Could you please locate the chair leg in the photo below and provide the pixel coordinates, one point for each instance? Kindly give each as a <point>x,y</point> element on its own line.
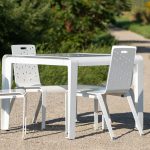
<point>132,107</point>
<point>66,114</point>
<point>26,114</point>
<point>43,108</point>
<point>12,103</point>
<point>24,117</point>
<point>76,110</point>
<point>105,114</point>
<point>95,114</point>
<point>104,126</point>
<point>38,109</point>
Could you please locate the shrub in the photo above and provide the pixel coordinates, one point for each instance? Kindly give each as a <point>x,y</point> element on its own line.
<point>55,25</point>
<point>86,75</point>
<point>142,12</point>
<point>59,26</point>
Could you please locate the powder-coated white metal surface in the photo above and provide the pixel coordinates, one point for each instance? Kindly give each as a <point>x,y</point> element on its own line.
<point>72,63</point>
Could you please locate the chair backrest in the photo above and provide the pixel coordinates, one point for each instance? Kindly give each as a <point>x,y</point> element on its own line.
<point>121,69</point>
<point>26,75</point>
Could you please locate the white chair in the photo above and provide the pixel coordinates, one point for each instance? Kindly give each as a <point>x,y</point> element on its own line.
<point>27,77</point>
<point>13,94</point>
<point>118,83</point>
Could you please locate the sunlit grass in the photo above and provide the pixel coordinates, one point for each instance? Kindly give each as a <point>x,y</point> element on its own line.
<point>126,21</point>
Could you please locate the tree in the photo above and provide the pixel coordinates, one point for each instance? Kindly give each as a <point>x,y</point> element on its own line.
<point>56,25</point>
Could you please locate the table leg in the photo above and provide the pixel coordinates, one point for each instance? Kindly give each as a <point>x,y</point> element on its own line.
<point>138,89</point>
<point>72,86</point>
<point>6,84</point>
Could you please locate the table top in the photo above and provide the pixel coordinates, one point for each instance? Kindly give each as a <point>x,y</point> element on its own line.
<point>63,55</point>
<point>68,55</point>
<point>63,59</point>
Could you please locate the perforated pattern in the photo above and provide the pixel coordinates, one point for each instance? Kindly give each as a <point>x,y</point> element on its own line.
<point>121,69</point>
<point>26,75</point>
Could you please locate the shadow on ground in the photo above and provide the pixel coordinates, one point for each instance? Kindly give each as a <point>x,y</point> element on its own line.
<point>119,121</point>
<point>143,49</point>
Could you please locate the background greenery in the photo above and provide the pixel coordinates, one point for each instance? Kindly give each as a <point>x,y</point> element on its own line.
<point>129,22</point>
<point>60,26</point>
<point>137,19</point>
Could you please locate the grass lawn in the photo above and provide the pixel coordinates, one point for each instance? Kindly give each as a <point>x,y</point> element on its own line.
<point>56,75</point>
<point>126,21</point>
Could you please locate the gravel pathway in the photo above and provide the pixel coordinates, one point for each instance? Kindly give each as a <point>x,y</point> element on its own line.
<point>129,38</point>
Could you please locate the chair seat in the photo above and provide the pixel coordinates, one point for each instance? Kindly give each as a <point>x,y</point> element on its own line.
<point>54,89</point>
<point>49,89</point>
<point>86,90</point>
<point>12,92</point>
<point>90,91</point>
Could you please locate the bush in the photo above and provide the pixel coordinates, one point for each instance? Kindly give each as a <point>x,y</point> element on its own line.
<point>22,21</point>
<point>86,75</point>
<point>59,26</point>
<point>55,25</point>
<point>142,16</point>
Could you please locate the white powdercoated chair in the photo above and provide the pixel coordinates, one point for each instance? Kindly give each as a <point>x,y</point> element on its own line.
<point>27,77</point>
<point>118,83</point>
<point>13,94</point>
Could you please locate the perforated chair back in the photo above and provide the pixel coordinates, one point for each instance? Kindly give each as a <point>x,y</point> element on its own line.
<point>121,69</point>
<point>26,75</point>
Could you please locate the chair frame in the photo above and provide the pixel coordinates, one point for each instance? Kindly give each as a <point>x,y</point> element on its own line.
<point>31,82</point>
<point>126,55</point>
<point>10,94</point>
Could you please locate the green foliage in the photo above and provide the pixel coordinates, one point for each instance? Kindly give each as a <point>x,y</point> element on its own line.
<point>126,21</point>
<point>141,29</point>
<point>141,11</point>
<point>55,25</point>
<point>87,75</point>
<point>53,75</point>
<point>142,16</point>
<point>60,26</point>
<point>76,24</point>
<point>96,76</point>
<point>22,22</point>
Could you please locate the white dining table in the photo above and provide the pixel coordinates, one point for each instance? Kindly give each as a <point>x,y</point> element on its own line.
<point>72,61</point>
